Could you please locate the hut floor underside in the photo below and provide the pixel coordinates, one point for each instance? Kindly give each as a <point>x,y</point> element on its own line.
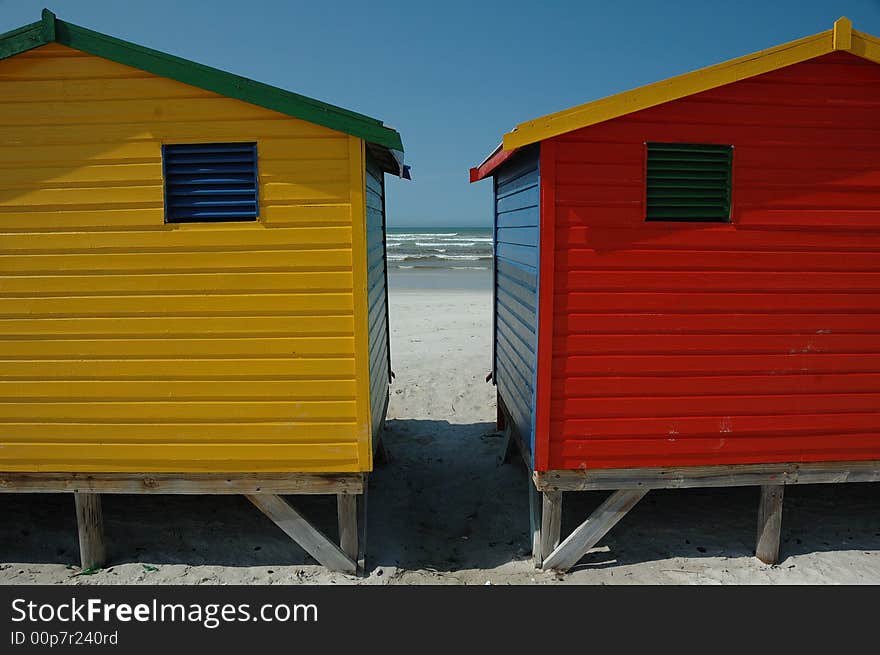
<point>263,490</point>
<point>629,486</point>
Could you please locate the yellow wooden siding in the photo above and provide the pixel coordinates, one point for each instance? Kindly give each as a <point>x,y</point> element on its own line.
<point>130,345</point>
<point>357,164</point>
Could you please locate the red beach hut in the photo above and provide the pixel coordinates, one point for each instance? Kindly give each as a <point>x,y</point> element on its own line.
<point>687,280</point>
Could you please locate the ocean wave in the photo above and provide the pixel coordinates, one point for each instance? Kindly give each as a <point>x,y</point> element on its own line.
<point>428,258</point>
<point>435,249</point>
<point>419,235</point>
<point>449,267</point>
<point>422,244</point>
<point>459,240</point>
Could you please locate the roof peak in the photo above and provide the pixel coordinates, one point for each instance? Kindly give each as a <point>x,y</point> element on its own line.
<point>51,29</point>
<point>841,37</point>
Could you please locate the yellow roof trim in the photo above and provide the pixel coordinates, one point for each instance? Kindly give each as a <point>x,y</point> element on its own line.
<point>841,37</point>
<point>865,46</point>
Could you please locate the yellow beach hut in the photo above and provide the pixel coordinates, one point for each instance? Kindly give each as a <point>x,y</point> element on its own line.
<point>193,294</point>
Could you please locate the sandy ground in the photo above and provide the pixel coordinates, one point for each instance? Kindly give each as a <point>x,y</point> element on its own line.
<point>443,511</point>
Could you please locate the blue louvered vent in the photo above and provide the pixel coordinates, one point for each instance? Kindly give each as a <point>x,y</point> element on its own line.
<point>210,182</point>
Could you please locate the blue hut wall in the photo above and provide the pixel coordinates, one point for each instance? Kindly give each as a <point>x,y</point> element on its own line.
<point>377,294</point>
<point>517,217</point>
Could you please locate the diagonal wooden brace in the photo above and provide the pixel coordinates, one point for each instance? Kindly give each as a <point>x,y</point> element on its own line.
<point>588,533</point>
<point>312,540</point>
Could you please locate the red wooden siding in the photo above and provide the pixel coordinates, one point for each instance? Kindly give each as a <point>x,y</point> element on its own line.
<point>678,344</point>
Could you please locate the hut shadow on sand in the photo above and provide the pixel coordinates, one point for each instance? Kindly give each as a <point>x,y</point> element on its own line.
<point>720,523</point>
<point>442,503</point>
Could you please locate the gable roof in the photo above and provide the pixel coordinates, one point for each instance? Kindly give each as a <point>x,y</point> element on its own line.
<point>842,37</point>
<point>51,29</point>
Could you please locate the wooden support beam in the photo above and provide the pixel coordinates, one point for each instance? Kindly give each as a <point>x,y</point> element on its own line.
<point>362,540</point>
<point>593,529</point>
<point>312,540</point>
<point>381,456</point>
<point>733,475</point>
<point>514,437</point>
<point>508,447</point>
<point>90,524</point>
<point>551,522</point>
<point>346,508</point>
<point>500,416</point>
<point>769,523</point>
<point>184,483</point>
<point>535,524</point>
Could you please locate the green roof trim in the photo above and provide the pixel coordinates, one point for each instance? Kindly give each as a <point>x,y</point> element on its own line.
<point>21,40</point>
<point>52,29</point>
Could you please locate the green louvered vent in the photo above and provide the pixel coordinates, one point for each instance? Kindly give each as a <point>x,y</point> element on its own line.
<point>689,182</point>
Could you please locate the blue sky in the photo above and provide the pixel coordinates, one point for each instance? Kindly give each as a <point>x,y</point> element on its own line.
<point>453,76</point>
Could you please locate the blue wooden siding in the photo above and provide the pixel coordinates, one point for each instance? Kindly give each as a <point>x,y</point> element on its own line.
<point>517,214</point>
<point>377,294</point>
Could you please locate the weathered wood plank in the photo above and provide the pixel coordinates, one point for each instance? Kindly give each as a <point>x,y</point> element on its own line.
<point>312,540</point>
<point>184,483</point>
<point>346,508</point>
<point>500,416</point>
<point>738,475</point>
<point>769,523</point>
<point>588,533</point>
<point>513,434</point>
<point>362,525</point>
<point>855,472</point>
<point>508,446</point>
<point>535,524</point>
<point>551,522</point>
<point>90,524</point>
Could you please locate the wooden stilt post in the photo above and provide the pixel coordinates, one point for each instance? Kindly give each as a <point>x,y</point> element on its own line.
<point>593,529</point>
<point>551,522</point>
<point>769,523</point>
<point>508,447</point>
<point>362,526</point>
<point>90,523</point>
<point>500,418</point>
<point>346,507</point>
<point>535,524</point>
<point>381,456</point>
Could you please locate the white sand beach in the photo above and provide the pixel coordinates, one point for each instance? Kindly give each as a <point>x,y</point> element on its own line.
<point>443,511</point>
